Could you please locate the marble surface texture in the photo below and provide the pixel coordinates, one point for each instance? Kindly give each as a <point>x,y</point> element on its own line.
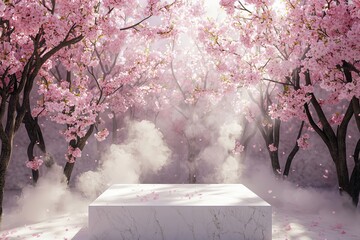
<point>179,211</point>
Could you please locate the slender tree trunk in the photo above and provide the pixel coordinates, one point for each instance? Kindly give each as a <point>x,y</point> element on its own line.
<point>193,153</point>
<point>35,175</point>
<point>2,183</point>
<point>191,162</point>
<point>274,156</point>
<point>271,135</point>
<point>68,170</point>
<point>36,139</point>
<point>79,143</point>
<point>293,152</point>
<point>341,172</point>
<point>32,129</point>
<point>340,152</point>
<point>339,157</point>
<point>355,175</point>
<point>192,172</point>
<point>5,156</point>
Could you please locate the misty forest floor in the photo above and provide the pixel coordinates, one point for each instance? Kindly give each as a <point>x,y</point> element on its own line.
<point>289,222</point>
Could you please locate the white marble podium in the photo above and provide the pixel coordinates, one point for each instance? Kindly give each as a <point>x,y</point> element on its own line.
<point>179,211</point>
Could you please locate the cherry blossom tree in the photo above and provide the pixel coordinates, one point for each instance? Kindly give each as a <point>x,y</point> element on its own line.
<point>190,90</point>
<point>195,89</point>
<point>243,65</point>
<point>105,73</point>
<point>308,53</point>
<point>190,79</point>
<point>31,33</point>
<point>35,37</point>
<point>36,139</point>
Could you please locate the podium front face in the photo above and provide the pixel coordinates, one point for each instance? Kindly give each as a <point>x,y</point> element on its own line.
<point>179,211</point>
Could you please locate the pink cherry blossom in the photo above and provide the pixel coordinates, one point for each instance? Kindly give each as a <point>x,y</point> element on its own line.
<point>303,141</point>
<point>272,148</point>
<point>35,163</point>
<point>238,148</point>
<point>101,135</point>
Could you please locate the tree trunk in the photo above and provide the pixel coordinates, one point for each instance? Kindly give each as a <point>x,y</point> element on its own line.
<point>340,152</point>
<point>271,135</point>
<point>342,173</point>
<point>274,156</point>
<point>193,154</point>
<point>2,183</point>
<point>192,172</point>
<point>35,176</point>
<point>6,149</point>
<point>339,158</point>
<point>68,170</point>
<point>192,166</point>
<point>79,143</point>
<point>335,142</point>
<point>355,176</point>
<point>293,152</point>
<point>36,139</point>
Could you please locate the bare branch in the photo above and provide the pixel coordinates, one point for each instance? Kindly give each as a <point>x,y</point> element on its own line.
<point>243,7</point>
<point>52,9</point>
<point>100,61</point>
<point>136,24</point>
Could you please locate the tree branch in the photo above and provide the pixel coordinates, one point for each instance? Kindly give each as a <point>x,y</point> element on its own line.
<point>293,152</point>
<point>327,129</point>
<point>320,132</point>
<point>356,107</point>
<point>136,24</point>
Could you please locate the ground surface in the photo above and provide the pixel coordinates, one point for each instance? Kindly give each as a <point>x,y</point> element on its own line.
<point>289,222</point>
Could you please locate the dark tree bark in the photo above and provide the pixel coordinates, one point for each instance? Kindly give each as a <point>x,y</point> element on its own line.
<point>193,153</point>
<point>79,143</point>
<point>355,176</point>
<point>293,152</point>
<point>36,139</point>
<point>269,128</point>
<point>271,135</point>
<point>5,155</point>
<point>336,143</point>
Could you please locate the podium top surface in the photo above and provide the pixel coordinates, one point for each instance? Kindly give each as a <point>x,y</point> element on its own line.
<point>186,195</point>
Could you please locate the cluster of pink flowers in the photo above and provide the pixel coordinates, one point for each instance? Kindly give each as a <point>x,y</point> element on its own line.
<point>72,154</point>
<point>272,147</point>
<point>238,148</point>
<point>228,5</point>
<point>101,135</point>
<point>35,163</point>
<point>303,141</point>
